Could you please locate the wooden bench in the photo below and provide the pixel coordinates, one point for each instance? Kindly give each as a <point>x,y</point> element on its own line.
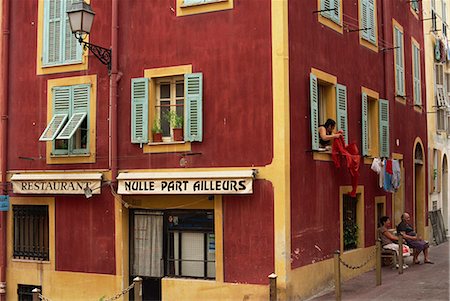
<point>391,255</point>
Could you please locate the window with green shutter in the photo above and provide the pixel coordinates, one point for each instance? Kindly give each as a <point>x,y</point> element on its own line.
<point>174,103</point>
<point>59,46</point>
<point>369,123</point>
<point>365,125</point>
<point>368,20</point>
<point>331,9</point>
<point>69,126</point>
<point>415,5</point>
<point>341,101</point>
<point>399,62</point>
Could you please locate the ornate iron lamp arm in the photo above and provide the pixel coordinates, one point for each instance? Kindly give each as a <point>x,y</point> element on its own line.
<point>103,54</point>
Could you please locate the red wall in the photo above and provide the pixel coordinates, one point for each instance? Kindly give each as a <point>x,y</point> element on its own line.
<point>249,235</point>
<point>233,50</point>
<point>85,234</point>
<point>315,192</point>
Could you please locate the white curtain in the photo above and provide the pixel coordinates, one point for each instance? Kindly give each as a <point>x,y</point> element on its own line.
<point>148,245</point>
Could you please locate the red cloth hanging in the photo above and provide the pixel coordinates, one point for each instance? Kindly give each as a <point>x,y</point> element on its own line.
<point>352,157</point>
<point>389,166</point>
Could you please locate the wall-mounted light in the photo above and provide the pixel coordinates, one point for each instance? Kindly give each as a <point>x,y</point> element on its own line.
<point>81,17</point>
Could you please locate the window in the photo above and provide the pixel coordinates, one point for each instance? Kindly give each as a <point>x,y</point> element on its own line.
<point>351,218</point>
<point>190,7</point>
<point>417,91</point>
<point>415,5</point>
<point>368,20</point>
<point>328,100</point>
<point>331,9</point>
<point>24,292</point>
<point>69,126</point>
<point>31,232</point>
<point>441,97</point>
<point>191,244</point>
<point>444,18</point>
<point>433,16</point>
<point>60,46</point>
<point>175,102</point>
<point>399,61</point>
<point>374,124</point>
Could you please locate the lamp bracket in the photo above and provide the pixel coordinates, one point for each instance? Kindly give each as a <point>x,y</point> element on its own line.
<point>103,54</point>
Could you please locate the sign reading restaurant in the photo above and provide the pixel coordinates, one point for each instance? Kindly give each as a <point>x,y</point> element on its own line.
<point>56,183</point>
<point>219,182</point>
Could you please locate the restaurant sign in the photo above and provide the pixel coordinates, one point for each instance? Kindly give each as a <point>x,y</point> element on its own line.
<point>223,182</point>
<point>56,183</point>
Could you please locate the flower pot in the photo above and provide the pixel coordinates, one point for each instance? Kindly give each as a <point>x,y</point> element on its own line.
<point>157,137</point>
<point>178,134</point>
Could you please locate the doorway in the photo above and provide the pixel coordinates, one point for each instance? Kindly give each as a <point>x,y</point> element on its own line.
<point>445,195</point>
<point>170,243</point>
<point>419,190</point>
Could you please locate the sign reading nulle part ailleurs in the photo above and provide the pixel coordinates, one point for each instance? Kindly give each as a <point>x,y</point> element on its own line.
<point>56,183</point>
<point>189,182</point>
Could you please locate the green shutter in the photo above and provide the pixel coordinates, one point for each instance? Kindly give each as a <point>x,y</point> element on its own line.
<point>372,21</point>
<point>79,110</point>
<point>365,125</point>
<point>139,110</point>
<point>364,19</point>
<point>336,13</point>
<point>399,68</point>
<point>314,100</point>
<point>341,98</point>
<point>325,5</point>
<point>61,110</point>
<point>384,127</point>
<point>416,75</point>
<point>193,110</point>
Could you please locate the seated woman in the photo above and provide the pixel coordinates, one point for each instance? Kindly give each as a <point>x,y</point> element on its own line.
<point>326,134</point>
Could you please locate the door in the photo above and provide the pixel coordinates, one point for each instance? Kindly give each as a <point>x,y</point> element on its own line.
<point>146,252</point>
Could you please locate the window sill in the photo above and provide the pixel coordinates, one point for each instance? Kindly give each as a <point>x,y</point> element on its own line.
<point>70,155</point>
<point>322,155</point>
<point>167,147</point>
<point>199,4</point>
<point>193,9</point>
<point>30,261</point>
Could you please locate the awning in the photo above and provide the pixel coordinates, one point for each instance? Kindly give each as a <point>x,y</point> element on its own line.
<point>56,183</point>
<point>187,182</point>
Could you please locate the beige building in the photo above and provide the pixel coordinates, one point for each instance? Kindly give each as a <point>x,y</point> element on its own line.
<point>437,68</point>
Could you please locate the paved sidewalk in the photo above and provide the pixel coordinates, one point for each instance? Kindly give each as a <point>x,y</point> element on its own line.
<point>418,282</point>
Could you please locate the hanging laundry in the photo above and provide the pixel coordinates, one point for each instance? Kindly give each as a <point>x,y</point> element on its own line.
<point>396,175</point>
<point>387,183</point>
<point>389,166</point>
<point>377,166</point>
<point>352,157</point>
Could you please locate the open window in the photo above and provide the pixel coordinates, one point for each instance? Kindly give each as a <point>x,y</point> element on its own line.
<point>328,99</point>
<point>167,104</point>
<point>68,129</point>
<point>374,124</point>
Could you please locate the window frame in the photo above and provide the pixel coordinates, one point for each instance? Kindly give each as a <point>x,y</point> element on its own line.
<point>414,8</point>
<point>333,23</point>
<point>364,38</point>
<point>41,221</point>
<point>85,156</point>
<point>41,67</point>
<point>400,92</point>
<point>183,9</point>
<point>373,124</point>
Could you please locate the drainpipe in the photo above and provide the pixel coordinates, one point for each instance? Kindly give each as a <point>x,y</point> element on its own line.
<point>114,79</point>
<point>3,138</point>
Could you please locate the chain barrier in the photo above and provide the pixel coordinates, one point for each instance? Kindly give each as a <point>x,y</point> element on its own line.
<point>351,267</point>
<point>123,292</point>
<point>41,297</point>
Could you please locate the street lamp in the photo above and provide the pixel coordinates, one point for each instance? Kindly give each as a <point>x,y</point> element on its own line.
<point>81,17</point>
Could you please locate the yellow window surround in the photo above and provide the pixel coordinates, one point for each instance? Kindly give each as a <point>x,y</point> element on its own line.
<point>70,81</point>
<point>185,10</point>
<point>329,23</point>
<point>363,42</point>
<point>40,68</point>
<point>328,81</point>
<point>159,73</point>
<point>416,44</point>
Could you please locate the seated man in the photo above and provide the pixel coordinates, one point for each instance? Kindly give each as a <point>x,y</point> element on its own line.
<point>413,240</point>
<point>326,134</point>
